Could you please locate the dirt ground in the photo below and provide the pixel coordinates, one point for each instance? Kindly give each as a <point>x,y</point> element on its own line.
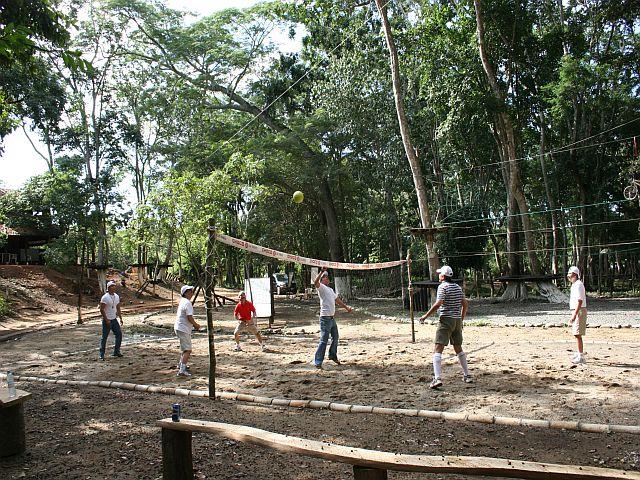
<point>76,432</point>
<point>41,297</point>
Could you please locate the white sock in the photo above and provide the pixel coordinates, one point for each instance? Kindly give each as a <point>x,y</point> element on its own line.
<point>437,365</point>
<point>462,358</point>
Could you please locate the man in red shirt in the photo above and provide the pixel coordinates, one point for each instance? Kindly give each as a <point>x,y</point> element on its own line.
<point>245,313</point>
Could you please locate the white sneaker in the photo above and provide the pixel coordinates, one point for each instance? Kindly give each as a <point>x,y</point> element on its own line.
<point>237,348</point>
<point>577,359</point>
<point>183,373</point>
<point>263,347</point>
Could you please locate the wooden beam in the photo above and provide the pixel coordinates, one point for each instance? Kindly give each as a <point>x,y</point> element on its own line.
<point>496,467</point>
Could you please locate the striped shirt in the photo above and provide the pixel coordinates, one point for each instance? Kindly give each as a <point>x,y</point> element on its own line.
<point>452,296</point>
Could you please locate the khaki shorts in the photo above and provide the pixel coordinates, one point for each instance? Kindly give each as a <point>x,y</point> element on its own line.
<point>449,331</point>
<point>579,326</point>
<point>185,340</point>
<point>248,326</point>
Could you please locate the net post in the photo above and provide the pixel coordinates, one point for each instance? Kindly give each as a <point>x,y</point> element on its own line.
<point>410,288</point>
<point>208,295</point>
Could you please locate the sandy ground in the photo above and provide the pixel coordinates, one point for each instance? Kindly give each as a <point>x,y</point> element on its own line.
<point>519,372</point>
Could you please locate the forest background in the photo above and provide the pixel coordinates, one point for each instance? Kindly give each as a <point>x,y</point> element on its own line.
<point>522,114</point>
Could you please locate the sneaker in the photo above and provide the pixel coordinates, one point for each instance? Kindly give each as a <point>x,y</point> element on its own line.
<point>335,360</point>
<point>435,383</point>
<point>101,358</point>
<point>183,373</point>
<point>577,359</point>
<point>467,379</point>
<point>237,348</point>
<point>263,347</point>
<point>318,366</point>
<point>118,354</point>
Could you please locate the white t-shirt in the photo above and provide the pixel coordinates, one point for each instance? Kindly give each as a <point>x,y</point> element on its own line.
<point>111,302</point>
<point>327,300</point>
<point>185,308</point>
<point>577,293</point>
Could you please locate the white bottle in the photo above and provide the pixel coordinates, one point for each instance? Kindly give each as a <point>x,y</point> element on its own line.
<point>11,385</point>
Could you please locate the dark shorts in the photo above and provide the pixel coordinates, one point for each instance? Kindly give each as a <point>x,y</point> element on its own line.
<point>449,331</point>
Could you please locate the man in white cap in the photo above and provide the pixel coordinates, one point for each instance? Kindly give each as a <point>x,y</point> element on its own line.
<point>578,306</point>
<point>110,309</point>
<point>452,308</point>
<point>183,327</point>
<point>328,326</point>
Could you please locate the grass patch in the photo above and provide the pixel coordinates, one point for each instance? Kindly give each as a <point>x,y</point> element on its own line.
<point>4,306</point>
<point>141,328</point>
<point>478,323</point>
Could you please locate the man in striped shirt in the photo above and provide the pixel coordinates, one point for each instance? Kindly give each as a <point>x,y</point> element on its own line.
<point>452,308</point>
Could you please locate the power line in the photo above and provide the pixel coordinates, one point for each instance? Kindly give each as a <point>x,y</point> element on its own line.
<point>484,254</point>
<point>548,229</point>
<point>560,150</point>
<point>537,212</point>
<point>564,148</point>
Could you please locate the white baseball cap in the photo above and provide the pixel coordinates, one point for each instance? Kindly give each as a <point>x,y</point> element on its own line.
<point>575,270</point>
<point>445,270</point>
<point>111,283</point>
<point>185,288</point>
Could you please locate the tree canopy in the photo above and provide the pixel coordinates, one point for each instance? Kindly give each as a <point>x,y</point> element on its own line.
<point>522,116</point>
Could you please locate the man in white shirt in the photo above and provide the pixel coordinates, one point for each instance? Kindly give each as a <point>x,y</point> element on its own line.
<point>578,306</point>
<point>110,309</point>
<point>183,327</point>
<point>328,326</point>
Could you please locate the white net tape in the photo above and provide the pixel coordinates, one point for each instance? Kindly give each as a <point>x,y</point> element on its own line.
<point>288,257</point>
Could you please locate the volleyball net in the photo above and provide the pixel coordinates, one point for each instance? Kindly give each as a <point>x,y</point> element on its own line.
<point>378,288</point>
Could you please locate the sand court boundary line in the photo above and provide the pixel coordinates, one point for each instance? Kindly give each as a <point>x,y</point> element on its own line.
<point>482,418</point>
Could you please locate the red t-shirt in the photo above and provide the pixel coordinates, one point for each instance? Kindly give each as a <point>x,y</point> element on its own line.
<point>244,311</point>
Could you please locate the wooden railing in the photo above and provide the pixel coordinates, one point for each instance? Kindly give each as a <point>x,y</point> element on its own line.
<point>367,464</point>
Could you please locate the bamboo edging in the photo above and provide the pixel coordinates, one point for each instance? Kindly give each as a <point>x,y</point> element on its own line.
<point>349,408</point>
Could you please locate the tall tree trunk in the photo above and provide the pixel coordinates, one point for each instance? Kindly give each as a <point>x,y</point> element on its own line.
<point>416,169</point>
<point>395,248</point>
<point>336,251</point>
<point>550,200</point>
<point>506,136</point>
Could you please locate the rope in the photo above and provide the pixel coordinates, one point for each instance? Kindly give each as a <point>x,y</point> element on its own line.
<point>485,418</point>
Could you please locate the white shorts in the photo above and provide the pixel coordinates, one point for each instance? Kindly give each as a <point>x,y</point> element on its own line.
<point>579,325</point>
<point>249,326</point>
<point>185,340</point>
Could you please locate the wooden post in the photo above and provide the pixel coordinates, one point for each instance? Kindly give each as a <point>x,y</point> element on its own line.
<point>366,473</point>
<point>413,326</point>
<point>177,462</point>
<point>208,296</point>
<point>12,439</point>
<point>271,294</point>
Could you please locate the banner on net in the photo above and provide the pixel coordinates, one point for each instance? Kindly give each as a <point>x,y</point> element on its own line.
<point>288,257</point>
